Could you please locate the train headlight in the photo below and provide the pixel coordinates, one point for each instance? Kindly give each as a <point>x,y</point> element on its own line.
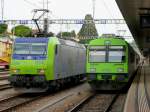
<point>15,70</point>
<point>120,70</point>
<point>41,71</point>
<point>92,69</point>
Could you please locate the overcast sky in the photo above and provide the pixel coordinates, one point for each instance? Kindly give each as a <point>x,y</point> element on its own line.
<point>21,9</point>
<point>104,9</point>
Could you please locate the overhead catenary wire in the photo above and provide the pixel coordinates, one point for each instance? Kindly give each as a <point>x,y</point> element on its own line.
<point>32,4</point>
<point>43,7</point>
<point>107,8</point>
<point>47,2</point>
<point>47,5</point>
<point>111,14</point>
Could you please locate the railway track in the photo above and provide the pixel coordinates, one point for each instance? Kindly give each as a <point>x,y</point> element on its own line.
<point>108,109</point>
<point>50,104</point>
<point>4,77</point>
<point>89,103</point>
<point>71,101</point>
<point>81,103</point>
<point>96,103</point>
<point>61,100</point>
<point>10,103</point>
<point>4,74</point>
<point>4,71</point>
<point>19,101</point>
<point>5,86</point>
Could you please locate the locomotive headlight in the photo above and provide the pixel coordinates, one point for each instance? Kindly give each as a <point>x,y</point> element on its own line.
<point>120,70</point>
<point>92,69</point>
<point>41,71</point>
<point>15,71</point>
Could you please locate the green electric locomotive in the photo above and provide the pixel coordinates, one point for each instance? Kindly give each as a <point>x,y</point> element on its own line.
<point>111,62</point>
<point>40,64</point>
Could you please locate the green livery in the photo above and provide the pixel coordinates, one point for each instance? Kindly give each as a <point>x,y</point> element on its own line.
<point>108,63</point>
<point>39,64</point>
<point>32,67</point>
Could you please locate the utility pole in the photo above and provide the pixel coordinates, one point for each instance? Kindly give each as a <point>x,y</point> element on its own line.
<point>43,4</point>
<point>47,7</point>
<point>2,9</point>
<point>93,8</point>
<point>43,7</point>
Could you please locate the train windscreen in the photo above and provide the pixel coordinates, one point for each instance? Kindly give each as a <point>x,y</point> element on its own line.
<point>116,54</point>
<point>30,48</point>
<point>106,54</point>
<point>97,54</point>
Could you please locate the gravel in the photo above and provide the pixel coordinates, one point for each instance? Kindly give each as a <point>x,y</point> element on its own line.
<point>97,104</point>
<point>119,104</point>
<point>36,105</point>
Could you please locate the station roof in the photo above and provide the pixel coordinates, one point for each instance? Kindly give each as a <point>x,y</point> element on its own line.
<point>131,10</point>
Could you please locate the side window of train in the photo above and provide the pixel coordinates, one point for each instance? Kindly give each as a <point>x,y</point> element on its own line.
<point>56,49</point>
<point>123,58</point>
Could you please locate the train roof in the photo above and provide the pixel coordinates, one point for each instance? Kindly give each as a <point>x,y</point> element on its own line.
<point>108,41</point>
<point>71,43</point>
<point>31,39</point>
<point>54,40</point>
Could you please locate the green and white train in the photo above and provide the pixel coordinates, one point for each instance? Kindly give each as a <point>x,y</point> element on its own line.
<point>111,62</point>
<point>40,64</point>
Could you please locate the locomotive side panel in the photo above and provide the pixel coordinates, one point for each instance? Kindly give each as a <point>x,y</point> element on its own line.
<point>69,61</point>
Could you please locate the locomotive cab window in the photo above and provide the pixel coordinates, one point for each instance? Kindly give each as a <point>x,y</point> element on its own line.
<point>21,48</point>
<point>116,54</point>
<point>30,48</point>
<point>97,54</point>
<point>39,48</point>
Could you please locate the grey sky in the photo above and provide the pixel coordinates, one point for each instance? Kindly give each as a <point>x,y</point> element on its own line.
<point>22,9</point>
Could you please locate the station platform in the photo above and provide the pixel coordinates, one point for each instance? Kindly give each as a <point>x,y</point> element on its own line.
<point>138,97</point>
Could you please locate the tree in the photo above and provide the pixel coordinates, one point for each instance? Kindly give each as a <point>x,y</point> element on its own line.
<point>22,31</point>
<point>71,34</point>
<point>3,28</point>
<point>50,34</point>
<point>88,30</point>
